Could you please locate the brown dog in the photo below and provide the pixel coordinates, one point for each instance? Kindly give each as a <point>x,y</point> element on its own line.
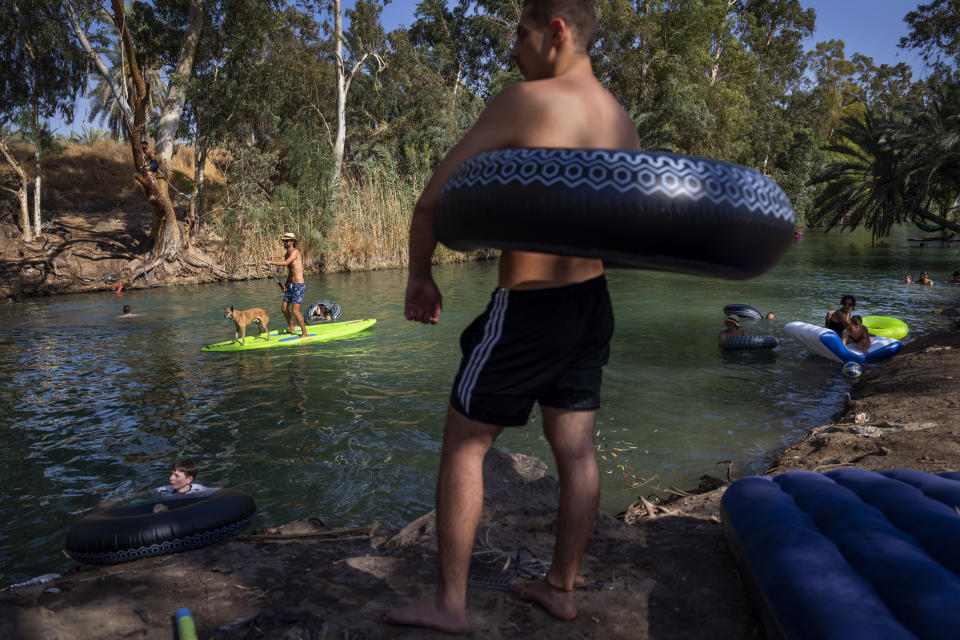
<point>242,318</point>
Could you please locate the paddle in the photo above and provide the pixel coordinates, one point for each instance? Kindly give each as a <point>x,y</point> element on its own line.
<point>277,280</point>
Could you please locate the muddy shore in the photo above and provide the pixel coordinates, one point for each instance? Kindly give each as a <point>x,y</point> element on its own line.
<point>655,571</point>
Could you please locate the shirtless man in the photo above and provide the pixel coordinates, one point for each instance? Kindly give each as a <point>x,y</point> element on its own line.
<point>856,333</point>
<point>295,286</point>
<point>923,279</point>
<point>559,104</point>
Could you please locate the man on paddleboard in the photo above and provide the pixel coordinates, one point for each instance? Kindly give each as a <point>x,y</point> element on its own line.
<point>295,285</point>
<point>517,353</point>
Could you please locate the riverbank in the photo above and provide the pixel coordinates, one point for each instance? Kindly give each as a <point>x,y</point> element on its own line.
<point>655,571</point>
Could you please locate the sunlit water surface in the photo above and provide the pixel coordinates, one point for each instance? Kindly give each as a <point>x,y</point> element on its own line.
<point>93,408</point>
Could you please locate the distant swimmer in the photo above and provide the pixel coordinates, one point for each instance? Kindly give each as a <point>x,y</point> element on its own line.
<point>770,316</point>
<point>840,319</point>
<point>923,279</point>
<point>128,312</point>
<point>908,279</point>
<point>733,329</point>
<point>856,332</point>
<point>956,278</point>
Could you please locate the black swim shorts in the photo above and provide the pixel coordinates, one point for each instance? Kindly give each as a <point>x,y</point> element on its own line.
<point>545,345</point>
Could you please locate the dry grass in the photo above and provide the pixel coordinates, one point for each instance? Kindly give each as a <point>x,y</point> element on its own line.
<point>100,177</point>
<point>370,225</point>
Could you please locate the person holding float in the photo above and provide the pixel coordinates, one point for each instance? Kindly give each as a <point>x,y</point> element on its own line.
<point>560,104</point>
<point>551,173</point>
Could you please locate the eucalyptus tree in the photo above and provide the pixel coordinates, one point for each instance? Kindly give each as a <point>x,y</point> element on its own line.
<point>230,82</point>
<point>43,72</point>
<point>167,243</point>
<point>935,33</point>
<point>105,105</point>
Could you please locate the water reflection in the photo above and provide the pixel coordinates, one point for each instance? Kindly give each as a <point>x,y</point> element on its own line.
<point>93,408</point>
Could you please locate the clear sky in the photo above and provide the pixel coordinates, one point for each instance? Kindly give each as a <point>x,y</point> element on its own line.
<point>870,27</point>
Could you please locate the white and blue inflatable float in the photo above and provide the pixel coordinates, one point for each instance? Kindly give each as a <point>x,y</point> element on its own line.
<point>827,343</point>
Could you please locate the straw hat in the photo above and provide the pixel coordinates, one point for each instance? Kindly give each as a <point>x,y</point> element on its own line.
<point>734,319</point>
<point>288,236</point>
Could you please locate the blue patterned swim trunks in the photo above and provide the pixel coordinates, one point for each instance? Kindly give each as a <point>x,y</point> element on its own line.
<point>294,292</point>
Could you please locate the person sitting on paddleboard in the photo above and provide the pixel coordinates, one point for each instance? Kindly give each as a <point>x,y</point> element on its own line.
<point>181,478</point>
<point>839,320</point>
<point>733,329</point>
<point>320,314</point>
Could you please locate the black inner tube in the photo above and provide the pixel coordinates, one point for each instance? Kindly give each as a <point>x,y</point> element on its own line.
<point>630,208</point>
<point>332,308</point>
<point>134,530</point>
<point>742,310</point>
<point>742,343</point>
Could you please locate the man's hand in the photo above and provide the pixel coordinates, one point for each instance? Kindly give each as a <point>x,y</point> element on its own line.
<point>423,301</point>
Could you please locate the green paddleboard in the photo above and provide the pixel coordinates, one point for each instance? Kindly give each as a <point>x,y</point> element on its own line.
<point>315,333</point>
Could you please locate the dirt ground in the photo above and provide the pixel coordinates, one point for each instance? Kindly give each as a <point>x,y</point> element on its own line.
<point>658,571</point>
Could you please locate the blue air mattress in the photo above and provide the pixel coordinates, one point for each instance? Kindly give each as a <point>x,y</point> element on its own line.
<point>849,554</point>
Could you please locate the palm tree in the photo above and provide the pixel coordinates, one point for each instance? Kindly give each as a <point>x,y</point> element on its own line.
<point>890,171</point>
<point>934,154</point>
<point>868,183</point>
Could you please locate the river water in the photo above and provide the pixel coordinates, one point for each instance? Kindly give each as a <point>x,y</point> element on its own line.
<point>93,408</point>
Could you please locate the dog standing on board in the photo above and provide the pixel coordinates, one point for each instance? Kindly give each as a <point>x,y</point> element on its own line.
<point>242,318</point>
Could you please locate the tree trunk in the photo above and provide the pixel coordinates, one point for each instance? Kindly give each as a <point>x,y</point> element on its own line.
<point>199,173</point>
<point>21,193</point>
<point>177,91</point>
<point>342,85</point>
<point>167,241</point>
<point>36,172</point>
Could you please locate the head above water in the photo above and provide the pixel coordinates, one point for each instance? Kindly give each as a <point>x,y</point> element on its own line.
<point>580,16</point>
<point>126,308</point>
<point>187,467</point>
<point>733,319</point>
<point>848,301</point>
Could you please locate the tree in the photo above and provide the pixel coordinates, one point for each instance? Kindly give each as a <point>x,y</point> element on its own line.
<point>167,240</point>
<point>364,40</point>
<point>105,106</point>
<point>43,72</point>
<point>935,31</point>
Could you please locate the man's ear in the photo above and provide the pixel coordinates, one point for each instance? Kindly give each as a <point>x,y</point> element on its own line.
<point>559,31</point>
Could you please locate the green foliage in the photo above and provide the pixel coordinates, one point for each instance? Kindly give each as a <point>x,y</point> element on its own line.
<point>88,135</point>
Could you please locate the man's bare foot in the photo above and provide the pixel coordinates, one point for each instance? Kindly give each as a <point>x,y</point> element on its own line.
<point>557,601</point>
<point>427,612</point>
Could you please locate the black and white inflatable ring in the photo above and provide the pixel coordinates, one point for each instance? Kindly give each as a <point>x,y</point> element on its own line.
<point>749,343</point>
<point>332,307</point>
<point>133,530</point>
<point>635,209</point>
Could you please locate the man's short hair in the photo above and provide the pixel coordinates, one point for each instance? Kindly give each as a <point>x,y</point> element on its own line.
<point>187,466</point>
<point>126,308</point>
<point>579,14</point>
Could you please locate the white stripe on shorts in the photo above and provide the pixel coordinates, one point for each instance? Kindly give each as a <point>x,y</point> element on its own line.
<point>481,353</point>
